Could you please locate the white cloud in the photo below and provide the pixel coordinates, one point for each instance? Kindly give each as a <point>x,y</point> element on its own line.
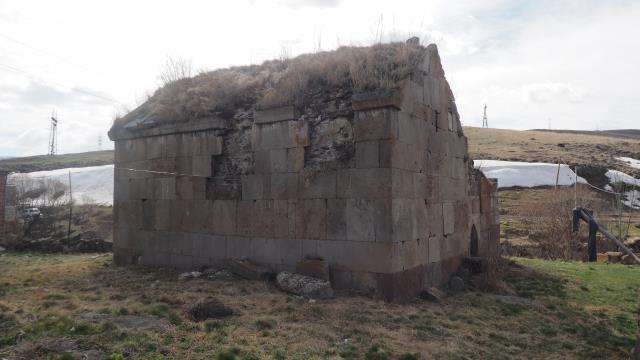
<point>553,92</point>
<point>572,61</point>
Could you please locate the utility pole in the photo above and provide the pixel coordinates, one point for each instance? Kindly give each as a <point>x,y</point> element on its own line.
<point>485,120</point>
<point>53,135</point>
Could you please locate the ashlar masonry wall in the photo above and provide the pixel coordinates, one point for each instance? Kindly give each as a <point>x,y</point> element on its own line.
<point>379,185</point>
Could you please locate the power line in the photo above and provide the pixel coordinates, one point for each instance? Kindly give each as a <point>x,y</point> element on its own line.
<point>73,89</point>
<point>61,58</point>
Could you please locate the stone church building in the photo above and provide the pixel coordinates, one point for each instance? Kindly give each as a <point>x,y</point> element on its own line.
<point>376,180</point>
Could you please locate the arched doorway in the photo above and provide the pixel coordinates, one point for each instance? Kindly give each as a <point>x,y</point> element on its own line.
<point>473,244</point>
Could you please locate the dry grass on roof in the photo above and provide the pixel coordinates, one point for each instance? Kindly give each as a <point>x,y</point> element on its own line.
<point>284,82</point>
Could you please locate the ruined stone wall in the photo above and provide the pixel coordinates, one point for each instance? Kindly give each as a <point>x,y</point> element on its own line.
<point>432,202</point>
<point>310,185</point>
<point>485,214</point>
<point>379,185</point>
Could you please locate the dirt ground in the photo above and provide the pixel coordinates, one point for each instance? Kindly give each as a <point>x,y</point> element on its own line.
<point>82,306</point>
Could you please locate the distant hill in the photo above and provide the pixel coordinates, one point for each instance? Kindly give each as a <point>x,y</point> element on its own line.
<point>595,152</point>
<point>624,133</point>
<point>45,162</point>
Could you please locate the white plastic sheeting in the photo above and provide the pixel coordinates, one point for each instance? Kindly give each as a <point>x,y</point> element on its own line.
<point>526,174</point>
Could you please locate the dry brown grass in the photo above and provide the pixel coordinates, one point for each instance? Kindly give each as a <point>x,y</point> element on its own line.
<point>56,299</point>
<point>285,81</point>
<point>539,221</point>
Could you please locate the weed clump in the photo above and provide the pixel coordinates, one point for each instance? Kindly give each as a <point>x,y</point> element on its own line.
<point>280,82</point>
<point>265,324</point>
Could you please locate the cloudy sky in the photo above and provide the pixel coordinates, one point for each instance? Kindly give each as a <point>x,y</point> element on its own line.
<point>563,64</point>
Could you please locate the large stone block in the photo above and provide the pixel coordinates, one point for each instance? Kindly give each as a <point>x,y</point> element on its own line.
<point>120,189</point>
<point>163,215</point>
<point>162,167</point>
<point>404,219</point>
<point>284,186</point>
<point>148,215</point>
<point>364,183</point>
<point>270,161</point>
<point>281,221</point>
<point>278,160</point>
<point>311,219</point>
<point>131,150</point>
<point>265,251</point>
<point>139,189</point>
<point>375,124</point>
<point>238,247</point>
<point>367,154</point>
<point>190,188</point>
<point>400,155</point>
<point>413,252</point>
<point>246,217</point>
<point>448,218</point>
<point>164,188</point>
<point>317,185</point>
<point>274,114</point>
<point>155,145</point>
<point>280,135</point>
<point>203,165</point>
<point>403,186</point>
<point>408,128</point>
<point>214,145</point>
<point>253,187</point>
<point>184,165</point>
<point>223,217</point>
<point>171,146</point>
<point>295,159</point>
<point>337,219</point>
<point>435,243</point>
<point>359,255</point>
<point>368,220</point>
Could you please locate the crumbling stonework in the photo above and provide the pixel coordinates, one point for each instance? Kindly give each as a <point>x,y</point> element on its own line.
<point>379,185</point>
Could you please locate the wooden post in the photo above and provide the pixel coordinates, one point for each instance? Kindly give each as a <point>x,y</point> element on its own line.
<point>592,250</point>
<point>558,173</point>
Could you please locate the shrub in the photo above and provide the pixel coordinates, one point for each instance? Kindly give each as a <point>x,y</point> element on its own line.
<point>265,324</point>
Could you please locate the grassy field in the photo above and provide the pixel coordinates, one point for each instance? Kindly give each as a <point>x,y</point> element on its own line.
<point>64,306</point>
<point>44,162</point>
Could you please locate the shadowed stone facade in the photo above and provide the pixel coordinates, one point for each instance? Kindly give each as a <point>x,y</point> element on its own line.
<point>379,185</point>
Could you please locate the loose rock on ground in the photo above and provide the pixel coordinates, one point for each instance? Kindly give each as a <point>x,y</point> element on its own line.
<point>304,285</point>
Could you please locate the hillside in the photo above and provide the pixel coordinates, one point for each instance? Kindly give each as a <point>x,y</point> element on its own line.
<point>45,162</point>
<point>598,150</point>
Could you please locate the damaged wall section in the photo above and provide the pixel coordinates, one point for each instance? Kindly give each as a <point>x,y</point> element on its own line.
<point>379,185</point>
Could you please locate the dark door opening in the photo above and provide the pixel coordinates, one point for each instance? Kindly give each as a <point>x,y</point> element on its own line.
<point>473,245</point>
